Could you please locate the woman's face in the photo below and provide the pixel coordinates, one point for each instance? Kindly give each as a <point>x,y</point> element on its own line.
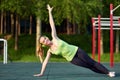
<point>45,40</point>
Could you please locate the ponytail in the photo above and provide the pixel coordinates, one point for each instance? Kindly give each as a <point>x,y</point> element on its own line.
<point>40,52</point>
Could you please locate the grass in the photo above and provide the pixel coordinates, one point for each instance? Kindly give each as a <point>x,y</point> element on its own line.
<point>32,58</point>
<point>106,57</point>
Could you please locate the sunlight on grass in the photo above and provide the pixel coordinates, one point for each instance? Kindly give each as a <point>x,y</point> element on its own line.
<point>106,57</point>
<point>32,58</point>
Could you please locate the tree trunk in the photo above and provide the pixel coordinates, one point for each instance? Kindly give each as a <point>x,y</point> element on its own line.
<point>68,27</point>
<point>30,29</point>
<point>12,24</point>
<point>117,42</point>
<point>38,31</point>
<point>16,34</point>
<point>1,28</point>
<point>19,29</point>
<point>4,18</point>
<point>78,29</point>
<point>25,29</point>
<point>74,28</point>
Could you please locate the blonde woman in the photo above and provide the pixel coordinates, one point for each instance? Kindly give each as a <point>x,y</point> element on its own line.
<point>71,53</point>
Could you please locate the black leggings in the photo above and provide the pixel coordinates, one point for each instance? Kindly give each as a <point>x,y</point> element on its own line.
<point>82,59</point>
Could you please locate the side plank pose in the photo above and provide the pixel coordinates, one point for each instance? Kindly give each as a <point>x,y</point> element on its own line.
<point>71,53</point>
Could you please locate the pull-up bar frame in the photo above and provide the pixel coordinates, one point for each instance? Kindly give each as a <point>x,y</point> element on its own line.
<point>4,51</point>
<point>112,21</point>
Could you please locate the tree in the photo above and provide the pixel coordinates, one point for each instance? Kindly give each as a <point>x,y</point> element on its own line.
<point>16,8</point>
<point>66,10</point>
<point>2,15</point>
<point>28,12</point>
<point>74,12</point>
<point>39,9</point>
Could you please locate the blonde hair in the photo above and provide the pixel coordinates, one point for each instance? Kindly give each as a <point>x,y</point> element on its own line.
<point>40,51</point>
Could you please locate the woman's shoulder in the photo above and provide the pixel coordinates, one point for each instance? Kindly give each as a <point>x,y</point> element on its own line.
<point>56,39</point>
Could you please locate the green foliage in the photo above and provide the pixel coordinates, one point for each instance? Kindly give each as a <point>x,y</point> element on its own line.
<point>26,46</point>
<point>77,11</point>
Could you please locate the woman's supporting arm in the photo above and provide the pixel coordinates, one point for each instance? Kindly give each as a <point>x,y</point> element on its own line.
<point>44,64</point>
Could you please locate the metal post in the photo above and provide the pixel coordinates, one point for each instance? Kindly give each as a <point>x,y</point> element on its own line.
<point>111,36</point>
<point>99,38</point>
<point>93,39</point>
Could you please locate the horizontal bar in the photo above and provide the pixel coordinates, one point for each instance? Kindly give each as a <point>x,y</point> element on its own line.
<point>2,40</point>
<point>118,17</point>
<point>102,18</point>
<point>114,18</point>
<point>117,22</point>
<point>107,24</point>
<point>109,28</point>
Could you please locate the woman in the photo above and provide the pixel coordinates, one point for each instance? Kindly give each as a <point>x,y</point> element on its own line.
<point>71,53</point>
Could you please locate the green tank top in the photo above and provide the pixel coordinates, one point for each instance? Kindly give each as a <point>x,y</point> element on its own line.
<point>65,50</point>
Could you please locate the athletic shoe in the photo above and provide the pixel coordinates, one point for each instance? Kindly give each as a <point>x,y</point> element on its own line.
<point>111,74</point>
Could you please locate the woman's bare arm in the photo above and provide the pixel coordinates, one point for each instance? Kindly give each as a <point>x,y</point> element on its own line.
<point>44,64</point>
<point>52,25</point>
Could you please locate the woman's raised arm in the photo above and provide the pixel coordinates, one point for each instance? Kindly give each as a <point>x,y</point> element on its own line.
<point>51,21</point>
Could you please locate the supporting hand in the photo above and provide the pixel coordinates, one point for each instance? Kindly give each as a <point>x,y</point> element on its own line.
<point>38,75</point>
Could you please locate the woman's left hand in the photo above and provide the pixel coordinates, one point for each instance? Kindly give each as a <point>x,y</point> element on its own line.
<point>49,8</point>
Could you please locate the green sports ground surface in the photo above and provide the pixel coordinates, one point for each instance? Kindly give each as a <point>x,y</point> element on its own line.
<point>54,71</point>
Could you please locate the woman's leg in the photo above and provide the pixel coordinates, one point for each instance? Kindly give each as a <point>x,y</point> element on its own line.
<point>82,59</point>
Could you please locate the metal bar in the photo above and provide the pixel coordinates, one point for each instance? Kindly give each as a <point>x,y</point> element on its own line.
<point>116,8</point>
<point>108,24</point>
<point>93,39</point>
<point>109,28</point>
<point>102,18</point>
<point>99,38</point>
<point>114,18</point>
<point>4,51</point>
<point>111,36</point>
